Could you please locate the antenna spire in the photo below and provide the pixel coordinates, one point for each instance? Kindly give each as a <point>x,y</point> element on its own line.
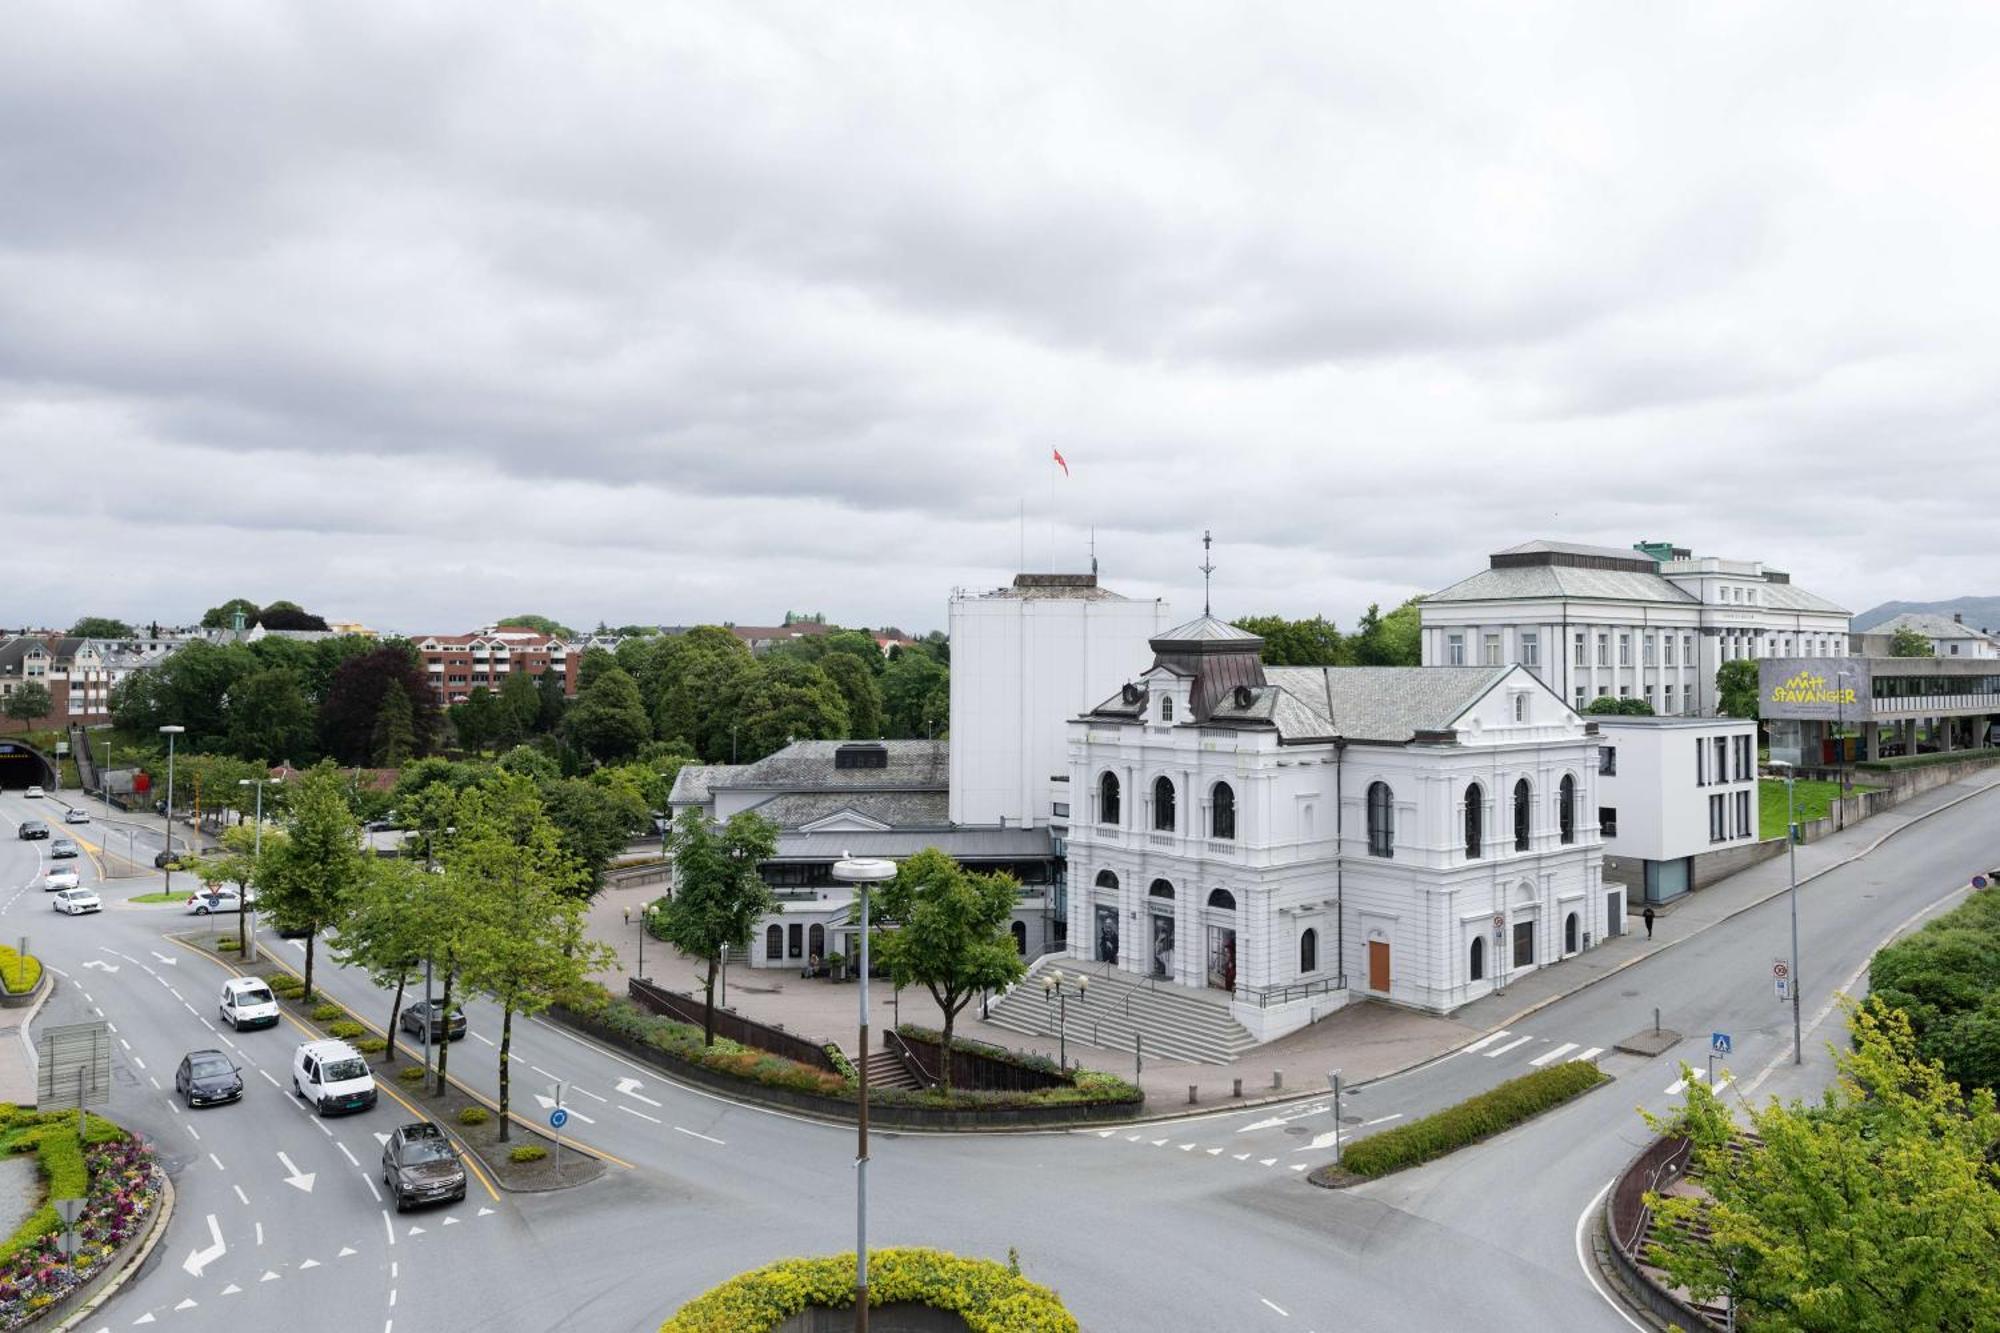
<point>1207,569</point>
<point>1093,551</point>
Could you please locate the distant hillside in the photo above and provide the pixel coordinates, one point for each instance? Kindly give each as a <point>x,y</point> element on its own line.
<point>1979,612</point>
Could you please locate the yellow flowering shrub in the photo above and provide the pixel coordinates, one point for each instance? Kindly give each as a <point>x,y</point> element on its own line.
<point>990,1297</point>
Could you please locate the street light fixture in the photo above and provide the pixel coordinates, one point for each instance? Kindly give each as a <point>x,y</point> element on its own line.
<point>1333,1081</point>
<point>244,930</point>
<point>170,732</point>
<point>861,873</point>
<point>1840,742</point>
<point>1056,989</point>
<point>1792,852</point>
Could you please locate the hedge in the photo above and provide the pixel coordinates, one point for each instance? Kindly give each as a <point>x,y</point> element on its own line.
<point>1895,762</point>
<point>990,1297</point>
<point>51,1136</point>
<point>1491,1112</point>
<point>20,974</point>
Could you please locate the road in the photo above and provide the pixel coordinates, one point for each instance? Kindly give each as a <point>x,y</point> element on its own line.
<point>1198,1223</point>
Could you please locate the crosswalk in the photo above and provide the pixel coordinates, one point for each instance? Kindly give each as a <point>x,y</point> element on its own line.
<point>1547,1051</point>
<point>1680,1085</point>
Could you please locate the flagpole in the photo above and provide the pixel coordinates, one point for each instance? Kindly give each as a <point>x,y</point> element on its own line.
<point>1052,516</point>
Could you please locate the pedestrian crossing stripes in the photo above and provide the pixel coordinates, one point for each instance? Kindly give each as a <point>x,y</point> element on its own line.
<point>1550,1057</point>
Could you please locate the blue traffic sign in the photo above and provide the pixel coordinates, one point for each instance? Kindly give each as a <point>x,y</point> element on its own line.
<point>558,1118</point>
<point>1718,1043</point>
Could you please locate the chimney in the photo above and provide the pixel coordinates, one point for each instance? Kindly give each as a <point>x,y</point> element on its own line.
<point>1958,617</point>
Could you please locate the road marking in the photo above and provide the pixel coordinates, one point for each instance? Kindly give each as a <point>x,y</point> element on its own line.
<point>703,1137</point>
<point>487,1040</point>
<point>346,1250</point>
<point>1214,1152</point>
<point>548,1104</point>
<point>630,1087</point>
<point>416,1230</point>
<point>1267,1161</point>
<point>593,1096</point>
<point>1590,1054</point>
<point>1382,1120</point>
<point>231,1290</point>
<point>1300,1166</point>
<point>369,1181</point>
<point>1499,1051</point>
<point>1679,1085</point>
<point>545,1073</point>
<point>642,1115</point>
<point>1243,1157</point>
<point>1484,1041</point>
<point>241,1196</point>
<point>197,1133</point>
<point>268,1079</point>
<point>260,1233</point>
<point>310,1263</point>
<point>1134,1138</point>
<point>1187,1147</point>
<point>1556,1054</point>
<point>297,1179</point>
<point>351,1161</point>
<point>1589,1269</point>
<point>187,1303</point>
<point>1275,1306</point>
<point>1159,1143</point>
<point>269,1276</point>
<point>202,1258</point>
<point>218,1162</point>
<point>137,1061</point>
<point>156,1083</point>
<point>388,1226</point>
<point>451,1221</point>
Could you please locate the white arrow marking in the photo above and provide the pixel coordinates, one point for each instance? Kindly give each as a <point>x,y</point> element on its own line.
<point>451,1221</point>
<point>381,1138</point>
<point>548,1104</point>
<point>310,1263</point>
<point>145,1318</point>
<point>345,1250</point>
<point>102,966</point>
<point>1318,1109</point>
<point>269,1276</point>
<point>187,1304</point>
<point>416,1231</point>
<point>484,1212</point>
<point>1267,1161</point>
<point>166,961</point>
<point>202,1258</point>
<point>630,1087</point>
<point>302,1180</point>
<point>1319,1141</point>
<point>1215,1152</point>
<point>231,1290</point>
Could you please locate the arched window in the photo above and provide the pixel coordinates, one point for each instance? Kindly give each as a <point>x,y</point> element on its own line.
<point>1569,933</point>
<point>774,943</point>
<point>1107,880</point>
<point>1475,820</point>
<point>1107,799</point>
<point>1160,889</point>
<point>1167,708</point>
<point>1566,809</point>
<point>1223,899</point>
<point>1222,811</point>
<point>1381,820</point>
<point>1309,951</point>
<point>1020,929</point>
<point>1163,804</point>
<point>1524,804</point>
<point>1478,958</point>
<point>816,941</point>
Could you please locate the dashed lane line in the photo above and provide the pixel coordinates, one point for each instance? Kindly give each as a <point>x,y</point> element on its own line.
<point>642,1115</point>
<point>703,1137</point>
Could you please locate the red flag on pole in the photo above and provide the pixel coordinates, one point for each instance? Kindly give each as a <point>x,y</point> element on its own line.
<point>1061,462</point>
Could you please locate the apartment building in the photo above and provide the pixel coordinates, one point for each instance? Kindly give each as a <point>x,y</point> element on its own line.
<point>456,664</point>
<point>1671,792</point>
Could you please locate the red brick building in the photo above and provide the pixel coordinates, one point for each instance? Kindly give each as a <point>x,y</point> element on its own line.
<point>457,663</point>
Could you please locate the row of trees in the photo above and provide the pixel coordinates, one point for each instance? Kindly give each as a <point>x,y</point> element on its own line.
<point>1377,640</point>
<point>495,906</point>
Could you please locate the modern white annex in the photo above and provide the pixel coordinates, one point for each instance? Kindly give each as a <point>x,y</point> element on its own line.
<point>1300,836</point>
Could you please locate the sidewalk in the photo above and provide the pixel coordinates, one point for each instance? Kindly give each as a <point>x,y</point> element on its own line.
<point>1367,1040</point>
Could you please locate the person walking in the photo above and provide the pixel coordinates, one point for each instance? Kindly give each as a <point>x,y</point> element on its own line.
<point>1647,917</point>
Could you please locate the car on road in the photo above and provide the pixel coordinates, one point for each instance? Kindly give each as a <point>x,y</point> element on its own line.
<point>248,1003</point>
<point>178,859</point>
<point>332,1076</point>
<point>208,1078</point>
<point>32,828</point>
<point>431,1013</point>
<point>58,878</point>
<point>419,1165</point>
<point>76,814</point>
<point>62,849</point>
<point>34,793</point>
<point>75,902</point>
<point>203,901</point>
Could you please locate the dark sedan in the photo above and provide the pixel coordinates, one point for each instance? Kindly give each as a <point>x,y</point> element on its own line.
<point>419,1165</point>
<point>208,1078</point>
<point>431,1013</point>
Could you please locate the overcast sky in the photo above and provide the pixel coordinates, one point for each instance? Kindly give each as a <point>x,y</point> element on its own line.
<point>422,315</point>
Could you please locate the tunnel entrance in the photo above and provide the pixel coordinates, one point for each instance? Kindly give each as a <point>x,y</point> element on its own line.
<point>23,766</point>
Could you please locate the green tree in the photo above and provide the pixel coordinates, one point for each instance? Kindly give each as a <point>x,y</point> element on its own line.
<point>395,737</point>
<point>718,895</point>
<point>859,690</point>
<point>529,762</point>
<point>608,719</point>
<point>235,863</point>
<point>1604,705</point>
<point>951,934</point>
<point>101,627</point>
<point>29,701</point>
<point>916,696</point>
<point>271,719</point>
<point>551,703</point>
<point>188,689</point>
<point>1394,639</point>
<point>219,617</point>
<point>1875,1210</point>
<point>480,720</point>
<point>702,689</point>
<point>593,661</point>
<point>595,822</point>
<point>553,628</point>
<point>311,874</point>
<point>1736,688</point>
<point>1945,978</point>
<point>383,930</point>
<point>1906,642</point>
<point>1314,642</point>
<point>791,700</point>
<point>520,709</point>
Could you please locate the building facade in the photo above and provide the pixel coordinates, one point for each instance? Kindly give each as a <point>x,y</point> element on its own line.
<point>1298,836</point>
<point>1652,623</point>
<point>1671,791</point>
<point>1947,636</point>
<point>457,664</point>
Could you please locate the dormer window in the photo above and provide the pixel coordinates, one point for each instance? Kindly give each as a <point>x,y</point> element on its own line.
<point>1167,709</point>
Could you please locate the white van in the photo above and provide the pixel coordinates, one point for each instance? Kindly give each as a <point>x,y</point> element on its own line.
<point>333,1077</point>
<point>247,1002</point>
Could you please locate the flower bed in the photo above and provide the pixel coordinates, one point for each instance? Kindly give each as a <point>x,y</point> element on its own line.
<point>19,973</point>
<point>989,1297</point>
<point>114,1173</point>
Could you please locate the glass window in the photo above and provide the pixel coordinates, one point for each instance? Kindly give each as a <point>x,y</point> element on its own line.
<point>1669,696</point>
<point>1607,820</point>
<point>1524,944</point>
<point>1454,650</point>
<point>1475,820</point>
<point>1309,951</point>
<point>1667,646</point>
<point>1566,809</point>
<point>1222,900</point>
<point>1531,649</point>
<point>1624,650</point>
<point>1604,650</point>
<point>1579,650</point>
<point>1222,811</point>
<point>1107,799</point>
<point>1715,832</point>
<point>774,943</point>
<point>1607,760</point>
<point>795,940</point>
<point>1524,801</point>
<point>1477,970</point>
<point>1492,646</point>
<point>1167,709</point>
<point>1163,805</point>
<point>1520,708</point>
<point>1381,820</point>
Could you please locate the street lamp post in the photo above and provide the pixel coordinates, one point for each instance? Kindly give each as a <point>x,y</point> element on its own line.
<point>170,732</point>
<point>1333,1081</point>
<point>1792,851</point>
<point>1840,741</point>
<point>1057,988</point>
<point>244,930</point>
<point>104,777</point>
<point>861,874</point>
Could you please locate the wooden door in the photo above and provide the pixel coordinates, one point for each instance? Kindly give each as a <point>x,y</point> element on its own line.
<point>1378,965</point>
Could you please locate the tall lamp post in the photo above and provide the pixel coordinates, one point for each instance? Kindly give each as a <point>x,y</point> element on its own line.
<point>1333,1081</point>
<point>862,873</point>
<point>1792,851</point>
<point>170,732</point>
<point>1056,989</point>
<point>1840,741</point>
<point>244,930</point>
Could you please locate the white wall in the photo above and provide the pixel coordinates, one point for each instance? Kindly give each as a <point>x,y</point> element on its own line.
<point>1662,810</point>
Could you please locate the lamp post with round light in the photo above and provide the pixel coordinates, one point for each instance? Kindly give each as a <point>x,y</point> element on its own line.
<point>170,732</point>
<point>1056,990</point>
<point>861,874</point>
<point>1792,850</point>
<point>243,927</point>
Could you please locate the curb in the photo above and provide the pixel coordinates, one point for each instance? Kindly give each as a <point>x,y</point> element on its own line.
<point>161,1217</point>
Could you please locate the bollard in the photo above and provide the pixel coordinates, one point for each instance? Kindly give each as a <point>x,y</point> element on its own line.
<point>1656,1018</point>
<point>1236,1088</point>
<point>1277,1079</point>
<point>1191,1094</point>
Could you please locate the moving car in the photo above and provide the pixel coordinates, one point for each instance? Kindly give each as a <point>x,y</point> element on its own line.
<point>76,814</point>
<point>431,1012</point>
<point>59,877</point>
<point>161,860</point>
<point>75,902</point>
<point>333,1077</point>
<point>419,1165</point>
<point>208,1078</point>
<point>32,828</point>
<point>61,849</point>
<point>34,793</point>
<point>202,901</point>
<point>248,1003</point>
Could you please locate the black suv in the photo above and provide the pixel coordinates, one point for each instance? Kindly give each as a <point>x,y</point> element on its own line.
<point>419,1165</point>
<point>33,828</point>
<point>416,1015</point>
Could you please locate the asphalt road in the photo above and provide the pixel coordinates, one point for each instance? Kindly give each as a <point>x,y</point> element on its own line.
<point>1199,1223</point>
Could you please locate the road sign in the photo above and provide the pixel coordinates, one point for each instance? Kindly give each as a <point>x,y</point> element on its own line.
<point>1979,881</point>
<point>558,1118</point>
<point>68,1210</point>
<point>1784,986</point>
<point>73,1065</point>
<point>1780,968</point>
<point>1499,921</point>
<point>1718,1043</point>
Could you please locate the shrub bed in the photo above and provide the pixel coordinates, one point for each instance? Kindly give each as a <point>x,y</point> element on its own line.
<point>346,1029</point>
<point>112,1171</point>
<point>1946,979</point>
<point>328,1013</point>
<point>990,1297</point>
<point>527,1152</point>
<point>20,974</point>
<point>411,1073</point>
<point>371,1045</point>
<point>1491,1112</point>
<point>473,1115</point>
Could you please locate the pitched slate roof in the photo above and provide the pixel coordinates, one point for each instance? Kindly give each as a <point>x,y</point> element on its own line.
<point>1542,546</point>
<point>1528,582</point>
<point>693,784</point>
<point>1791,597</point>
<point>898,809</point>
<point>1389,704</point>
<point>1931,626</point>
<point>810,766</point>
<point>1206,629</point>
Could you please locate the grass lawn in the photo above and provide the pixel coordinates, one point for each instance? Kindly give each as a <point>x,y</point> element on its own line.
<point>1815,801</point>
<point>182,897</point>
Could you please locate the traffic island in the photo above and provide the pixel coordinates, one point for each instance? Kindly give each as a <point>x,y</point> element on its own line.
<point>909,1291</point>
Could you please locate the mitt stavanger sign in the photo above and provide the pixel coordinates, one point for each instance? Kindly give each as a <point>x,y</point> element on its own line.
<point>1814,688</point>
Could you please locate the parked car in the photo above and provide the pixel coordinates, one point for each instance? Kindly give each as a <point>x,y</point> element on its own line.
<point>76,814</point>
<point>203,901</point>
<point>32,828</point>
<point>178,860</point>
<point>34,793</point>
<point>59,877</point>
<point>62,849</point>
<point>332,1076</point>
<point>208,1078</point>
<point>248,1003</point>
<point>419,1165</point>
<point>431,1013</point>
<point>75,902</point>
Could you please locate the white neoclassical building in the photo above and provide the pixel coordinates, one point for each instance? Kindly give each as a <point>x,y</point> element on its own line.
<point>1300,836</point>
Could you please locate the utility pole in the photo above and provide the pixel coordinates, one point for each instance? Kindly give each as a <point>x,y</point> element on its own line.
<point>862,874</point>
<point>1792,851</point>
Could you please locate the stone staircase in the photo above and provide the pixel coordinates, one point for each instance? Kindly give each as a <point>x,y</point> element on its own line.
<point>881,1069</point>
<point>1178,1023</point>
